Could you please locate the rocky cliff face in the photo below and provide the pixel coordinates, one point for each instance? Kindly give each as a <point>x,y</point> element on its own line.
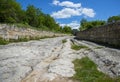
<point>14,32</point>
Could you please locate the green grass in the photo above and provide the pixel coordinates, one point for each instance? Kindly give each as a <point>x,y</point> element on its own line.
<point>99,47</point>
<point>22,39</point>
<point>3,42</point>
<point>86,71</point>
<point>48,37</point>
<point>20,25</point>
<point>64,41</point>
<point>78,47</point>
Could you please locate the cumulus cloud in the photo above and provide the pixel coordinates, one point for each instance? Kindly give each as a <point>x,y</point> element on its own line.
<point>71,9</point>
<point>66,4</point>
<point>56,2</point>
<point>88,12</point>
<point>67,13</point>
<point>73,25</point>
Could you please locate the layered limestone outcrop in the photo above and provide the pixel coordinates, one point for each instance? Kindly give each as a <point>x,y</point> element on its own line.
<point>15,32</point>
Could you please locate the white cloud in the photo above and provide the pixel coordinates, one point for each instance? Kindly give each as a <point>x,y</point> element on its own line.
<point>67,4</point>
<point>88,12</point>
<point>71,9</point>
<point>55,2</point>
<point>73,25</point>
<point>67,13</point>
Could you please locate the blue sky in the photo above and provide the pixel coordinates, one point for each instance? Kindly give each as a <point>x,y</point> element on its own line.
<point>70,12</point>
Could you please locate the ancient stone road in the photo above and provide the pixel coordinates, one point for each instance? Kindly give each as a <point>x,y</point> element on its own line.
<point>50,60</point>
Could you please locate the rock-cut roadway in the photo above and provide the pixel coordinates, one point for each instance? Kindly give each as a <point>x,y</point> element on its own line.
<point>50,60</point>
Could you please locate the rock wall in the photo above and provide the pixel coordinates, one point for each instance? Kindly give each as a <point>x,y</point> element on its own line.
<point>14,32</point>
<point>108,34</point>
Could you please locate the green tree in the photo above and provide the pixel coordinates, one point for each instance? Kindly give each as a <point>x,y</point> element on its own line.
<point>113,19</point>
<point>67,29</point>
<point>31,14</point>
<point>83,21</point>
<point>50,22</point>
<point>9,10</point>
<point>84,24</point>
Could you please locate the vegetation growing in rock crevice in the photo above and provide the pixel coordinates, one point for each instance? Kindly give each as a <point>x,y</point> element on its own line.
<point>64,41</point>
<point>3,41</point>
<point>86,71</point>
<point>78,47</point>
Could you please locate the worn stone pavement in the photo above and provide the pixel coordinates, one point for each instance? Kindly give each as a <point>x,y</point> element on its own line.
<point>50,60</point>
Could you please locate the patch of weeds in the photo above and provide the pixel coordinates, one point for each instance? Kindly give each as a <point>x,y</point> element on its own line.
<point>86,71</point>
<point>47,37</point>
<point>64,41</point>
<point>78,47</point>
<point>3,41</point>
<point>22,39</point>
<point>99,47</point>
<point>19,25</point>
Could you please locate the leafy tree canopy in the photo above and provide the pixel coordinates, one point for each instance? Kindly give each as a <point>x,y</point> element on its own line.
<point>9,11</point>
<point>67,29</point>
<point>12,12</point>
<point>113,19</point>
<point>84,24</point>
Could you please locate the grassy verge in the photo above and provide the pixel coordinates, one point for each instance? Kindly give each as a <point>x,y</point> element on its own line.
<point>3,42</point>
<point>78,47</point>
<point>64,41</point>
<point>86,71</point>
<point>22,39</point>
<point>99,47</point>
